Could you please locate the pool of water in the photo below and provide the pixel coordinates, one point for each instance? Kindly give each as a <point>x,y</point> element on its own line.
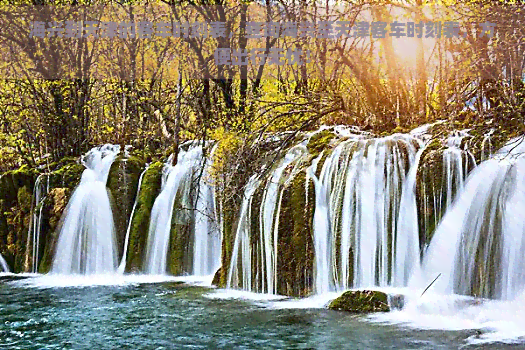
<point>177,315</point>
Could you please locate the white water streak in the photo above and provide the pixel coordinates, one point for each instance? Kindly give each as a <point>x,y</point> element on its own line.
<point>3,264</point>
<point>122,266</point>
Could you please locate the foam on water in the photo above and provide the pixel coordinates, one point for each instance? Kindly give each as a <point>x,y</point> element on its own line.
<point>242,295</point>
<point>495,320</point>
<point>110,279</point>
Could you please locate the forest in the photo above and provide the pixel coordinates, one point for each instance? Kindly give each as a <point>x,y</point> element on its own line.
<point>61,96</point>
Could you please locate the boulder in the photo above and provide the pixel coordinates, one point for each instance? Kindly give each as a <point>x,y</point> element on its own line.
<point>361,301</point>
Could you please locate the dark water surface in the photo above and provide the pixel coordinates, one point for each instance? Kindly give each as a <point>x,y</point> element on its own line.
<point>179,316</point>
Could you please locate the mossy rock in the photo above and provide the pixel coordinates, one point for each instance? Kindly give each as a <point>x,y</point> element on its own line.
<point>180,251</point>
<point>67,175</point>
<point>11,181</point>
<point>295,238</point>
<point>138,238</point>
<point>217,277</point>
<point>319,141</point>
<point>18,220</point>
<point>361,301</point>
<point>230,212</point>
<point>122,183</point>
<point>54,207</point>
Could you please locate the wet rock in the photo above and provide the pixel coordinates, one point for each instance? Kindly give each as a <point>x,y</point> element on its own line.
<point>361,301</point>
<point>149,190</point>
<point>55,205</point>
<point>217,277</point>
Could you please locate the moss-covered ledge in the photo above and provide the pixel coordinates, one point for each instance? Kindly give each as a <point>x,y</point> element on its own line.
<point>123,179</point>
<point>138,238</point>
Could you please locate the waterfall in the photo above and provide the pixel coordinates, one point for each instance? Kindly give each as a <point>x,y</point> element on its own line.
<point>207,244</point>
<point>477,246</point>
<point>269,221</point>
<point>162,212</point>
<point>3,264</point>
<point>240,271</point>
<point>321,231</point>
<point>177,182</point>
<point>406,249</point>
<point>122,266</point>
<point>86,243</point>
<point>244,264</point>
<point>35,227</point>
<point>358,235</point>
<point>442,177</point>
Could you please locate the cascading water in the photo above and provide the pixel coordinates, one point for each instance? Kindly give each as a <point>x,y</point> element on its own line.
<point>178,180</point>
<point>86,243</point>
<point>41,190</point>
<point>477,245</point>
<point>242,263</point>
<point>162,212</point>
<point>122,266</point>
<point>438,191</point>
<point>359,241</point>
<point>240,271</point>
<point>473,272</point>
<point>3,264</point>
<point>207,243</point>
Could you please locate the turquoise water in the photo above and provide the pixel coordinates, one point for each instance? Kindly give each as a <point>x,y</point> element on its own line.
<point>174,315</point>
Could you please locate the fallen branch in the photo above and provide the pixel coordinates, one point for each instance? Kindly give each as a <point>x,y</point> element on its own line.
<point>430,285</point>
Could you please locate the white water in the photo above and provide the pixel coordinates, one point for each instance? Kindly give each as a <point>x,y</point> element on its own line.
<point>162,212</point>
<point>477,250</point>
<point>477,246</point>
<point>240,271</point>
<point>494,320</point>
<point>242,267</point>
<point>122,266</point>
<point>269,221</point>
<point>437,197</point>
<point>86,243</point>
<point>358,198</point>
<point>207,243</point>
<point>3,264</point>
<point>37,206</point>
<point>207,239</point>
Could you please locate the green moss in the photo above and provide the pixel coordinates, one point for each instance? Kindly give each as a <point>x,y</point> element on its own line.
<point>54,206</point>
<point>67,175</point>
<point>16,188</point>
<point>319,141</point>
<point>230,210</point>
<point>149,190</point>
<point>362,301</point>
<point>295,238</point>
<point>11,181</point>
<point>400,129</point>
<point>217,277</point>
<point>122,183</point>
<point>182,227</point>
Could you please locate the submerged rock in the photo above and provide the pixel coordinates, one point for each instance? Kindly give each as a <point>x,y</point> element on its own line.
<point>361,301</point>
